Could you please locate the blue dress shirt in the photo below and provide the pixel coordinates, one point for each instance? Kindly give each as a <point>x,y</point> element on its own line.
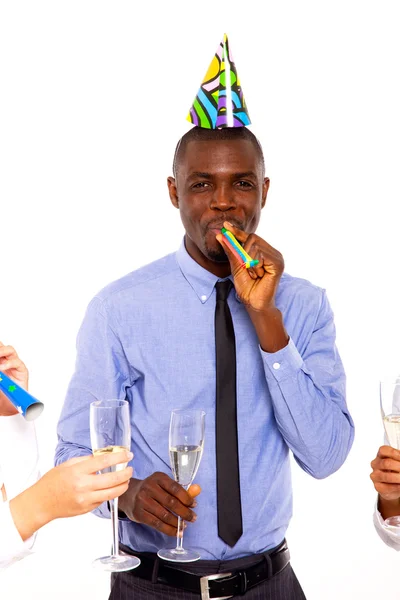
<point>149,338</point>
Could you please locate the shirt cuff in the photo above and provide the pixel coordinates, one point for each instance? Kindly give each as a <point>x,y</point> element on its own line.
<point>385,534</point>
<point>12,547</point>
<point>283,364</point>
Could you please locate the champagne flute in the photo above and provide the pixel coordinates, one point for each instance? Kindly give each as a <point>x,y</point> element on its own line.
<point>390,411</point>
<point>110,431</point>
<point>186,441</point>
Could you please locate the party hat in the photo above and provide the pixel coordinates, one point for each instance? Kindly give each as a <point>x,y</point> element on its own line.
<point>219,101</point>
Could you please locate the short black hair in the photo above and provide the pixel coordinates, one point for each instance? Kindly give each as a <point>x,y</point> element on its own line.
<point>200,134</point>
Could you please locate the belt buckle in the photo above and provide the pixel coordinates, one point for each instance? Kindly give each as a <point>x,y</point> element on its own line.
<point>204,589</point>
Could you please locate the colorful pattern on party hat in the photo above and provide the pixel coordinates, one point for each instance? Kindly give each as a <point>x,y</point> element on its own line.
<point>219,101</point>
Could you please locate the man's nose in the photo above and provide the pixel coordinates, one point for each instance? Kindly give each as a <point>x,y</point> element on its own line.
<point>222,199</point>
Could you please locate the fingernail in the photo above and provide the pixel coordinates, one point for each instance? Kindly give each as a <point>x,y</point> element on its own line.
<point>130,455</point>
<point>5,366</point>
<point>230,224</point>
<point>194,518</point>
<point>194,504</point>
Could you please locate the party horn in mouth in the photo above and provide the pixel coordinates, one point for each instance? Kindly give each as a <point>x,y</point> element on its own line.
<point>26,405</point>
<point>244,257</point>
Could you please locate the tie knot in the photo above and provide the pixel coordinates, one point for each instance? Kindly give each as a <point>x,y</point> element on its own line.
<point>223,288</point>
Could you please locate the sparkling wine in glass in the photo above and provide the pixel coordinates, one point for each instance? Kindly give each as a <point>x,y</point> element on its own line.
<point>186,441</point>
<point>390,411</point>
<point>110,431</point>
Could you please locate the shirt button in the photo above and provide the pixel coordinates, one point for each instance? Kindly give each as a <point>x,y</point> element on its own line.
<point>276,366</point>
<point>203,298</point>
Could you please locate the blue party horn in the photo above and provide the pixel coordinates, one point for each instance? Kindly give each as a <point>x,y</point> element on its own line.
<point>26,405</point>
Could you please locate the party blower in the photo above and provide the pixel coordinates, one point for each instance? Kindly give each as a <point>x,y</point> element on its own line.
<point>240,252</point>
<point>26,405</point>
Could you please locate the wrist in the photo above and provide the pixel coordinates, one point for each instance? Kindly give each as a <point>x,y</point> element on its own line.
<point>388,508</point>
<point>28,512</point>
<point>126,500</point>
<point>270,329</point>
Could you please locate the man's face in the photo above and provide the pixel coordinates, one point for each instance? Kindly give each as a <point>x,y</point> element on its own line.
<point>217,181</point>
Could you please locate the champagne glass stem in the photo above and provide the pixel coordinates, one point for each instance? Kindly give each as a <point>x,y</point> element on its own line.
<point>114,519</point>
<point>179,536</point>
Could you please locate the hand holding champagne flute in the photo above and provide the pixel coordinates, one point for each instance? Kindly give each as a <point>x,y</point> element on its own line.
<point>110,432</point>
<point>186,441</point>
<point>386,466</point>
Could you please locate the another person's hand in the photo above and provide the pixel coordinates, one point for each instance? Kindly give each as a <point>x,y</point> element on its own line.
<point>73,488</point>
<point>386,478</point>
<point>157,501</point>
<point>14,368</point>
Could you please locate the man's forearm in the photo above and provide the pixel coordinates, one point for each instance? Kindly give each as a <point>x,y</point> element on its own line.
<point>312,417</point>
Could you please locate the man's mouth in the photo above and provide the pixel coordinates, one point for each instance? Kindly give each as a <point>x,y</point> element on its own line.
<point>216,227</point>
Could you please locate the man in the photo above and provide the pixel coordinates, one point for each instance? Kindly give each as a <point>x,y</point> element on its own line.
<point>149,337</point>
<point>29,502</point>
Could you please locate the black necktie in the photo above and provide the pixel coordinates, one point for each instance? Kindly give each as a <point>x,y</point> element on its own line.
<point>228,484</point>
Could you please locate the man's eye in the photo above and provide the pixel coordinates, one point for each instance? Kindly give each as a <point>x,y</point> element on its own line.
<point>201,184</point>
<point>245,184</point>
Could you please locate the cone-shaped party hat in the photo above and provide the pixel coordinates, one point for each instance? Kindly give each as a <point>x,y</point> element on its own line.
<point>219,101</point>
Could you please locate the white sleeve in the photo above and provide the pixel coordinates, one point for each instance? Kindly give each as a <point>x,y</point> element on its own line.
<point>18,471</point>
<point>12,548</point>
<point>18,454</point>
<point>387,536</point>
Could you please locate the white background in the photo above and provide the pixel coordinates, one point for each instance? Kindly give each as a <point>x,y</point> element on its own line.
<point>93,98</point>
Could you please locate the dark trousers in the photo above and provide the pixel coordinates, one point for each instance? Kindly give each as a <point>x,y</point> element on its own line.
<point>283,586</point>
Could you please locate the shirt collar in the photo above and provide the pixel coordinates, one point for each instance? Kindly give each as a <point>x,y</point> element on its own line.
<point>201,280</point>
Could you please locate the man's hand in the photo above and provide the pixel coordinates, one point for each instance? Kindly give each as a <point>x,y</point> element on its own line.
<point>257,286</point>
<point>73,488</point>
<point>14,368</point>
<point>386,478</point>
<point>157,501</point>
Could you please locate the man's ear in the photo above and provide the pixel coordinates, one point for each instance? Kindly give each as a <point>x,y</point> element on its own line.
<point>265,191</point>
<point>173,192</point>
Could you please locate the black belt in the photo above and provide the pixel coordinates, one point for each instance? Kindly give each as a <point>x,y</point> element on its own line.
<point>217,586</point>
